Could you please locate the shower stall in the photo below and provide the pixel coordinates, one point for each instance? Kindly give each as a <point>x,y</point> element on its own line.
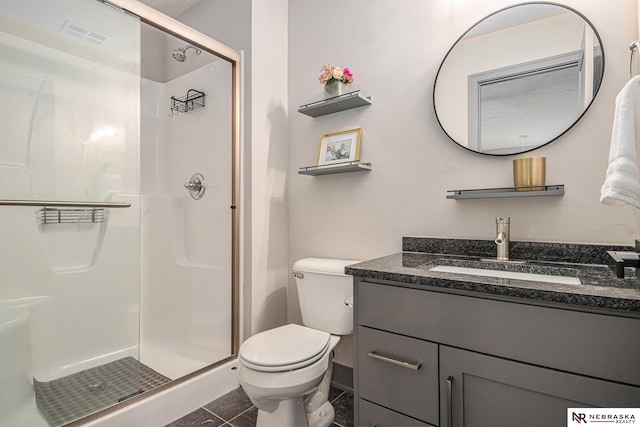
<point>119,252</point>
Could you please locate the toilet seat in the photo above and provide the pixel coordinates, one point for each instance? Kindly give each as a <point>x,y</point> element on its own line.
<point>284,348</point>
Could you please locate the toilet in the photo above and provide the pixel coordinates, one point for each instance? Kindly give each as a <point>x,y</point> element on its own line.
<point>286,371</point>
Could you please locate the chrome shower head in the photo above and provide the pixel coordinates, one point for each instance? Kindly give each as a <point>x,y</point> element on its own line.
<point>180,53</point>
<point>179,56</point>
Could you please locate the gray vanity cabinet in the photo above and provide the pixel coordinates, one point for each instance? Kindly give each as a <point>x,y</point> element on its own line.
<point>490,391</point>
<point>507,362</point>
<point>401,373</point>
<point>373,415</point>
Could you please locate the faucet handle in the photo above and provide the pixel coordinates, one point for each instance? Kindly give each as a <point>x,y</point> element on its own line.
<point>618,260</point>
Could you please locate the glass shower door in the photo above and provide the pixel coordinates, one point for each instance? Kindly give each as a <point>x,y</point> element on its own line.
<point>69,273</point>
<point>186,321</point>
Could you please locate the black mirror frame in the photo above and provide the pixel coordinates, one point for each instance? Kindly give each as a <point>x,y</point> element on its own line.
<point>597,90</point>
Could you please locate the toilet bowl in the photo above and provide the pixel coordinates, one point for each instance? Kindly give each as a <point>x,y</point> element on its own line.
<point>278,378</point>
<point>286,371</point>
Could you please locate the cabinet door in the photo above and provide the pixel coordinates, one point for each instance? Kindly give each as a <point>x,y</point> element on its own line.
<point>488,391</point>
<point>399,373</point>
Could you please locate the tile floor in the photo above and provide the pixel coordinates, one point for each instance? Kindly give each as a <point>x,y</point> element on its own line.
<point>234,409</point>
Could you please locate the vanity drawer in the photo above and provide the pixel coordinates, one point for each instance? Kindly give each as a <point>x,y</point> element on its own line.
<point>399,372</point>
<point>377,416</point>
<point>543,336</point>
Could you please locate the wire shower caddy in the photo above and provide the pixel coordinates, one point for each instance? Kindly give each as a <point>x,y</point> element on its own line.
<point>193,100</point>
<point>50,215</point>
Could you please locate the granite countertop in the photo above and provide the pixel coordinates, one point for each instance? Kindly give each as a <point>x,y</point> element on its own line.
<point>599,287</point>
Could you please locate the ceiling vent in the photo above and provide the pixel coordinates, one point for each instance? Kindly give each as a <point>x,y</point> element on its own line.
<point>83,33</point>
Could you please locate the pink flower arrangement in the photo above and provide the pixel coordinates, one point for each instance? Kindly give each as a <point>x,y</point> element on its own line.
<point>330,74</point>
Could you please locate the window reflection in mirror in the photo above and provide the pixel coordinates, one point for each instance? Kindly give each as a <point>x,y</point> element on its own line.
<point>518,79</point>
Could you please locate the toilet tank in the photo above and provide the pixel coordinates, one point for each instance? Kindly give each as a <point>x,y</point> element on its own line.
<point>322,290</point>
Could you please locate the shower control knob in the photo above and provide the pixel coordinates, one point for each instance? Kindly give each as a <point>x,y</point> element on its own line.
<point>196,186</point>
<point>193,186</point>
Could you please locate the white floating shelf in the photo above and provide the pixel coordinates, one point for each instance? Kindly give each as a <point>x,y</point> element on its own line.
<point>335,104</point>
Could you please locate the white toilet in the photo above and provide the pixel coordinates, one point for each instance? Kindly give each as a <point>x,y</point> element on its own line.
<point>286,371</point>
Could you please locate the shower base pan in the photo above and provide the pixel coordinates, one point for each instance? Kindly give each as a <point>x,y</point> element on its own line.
<point>68,398</point>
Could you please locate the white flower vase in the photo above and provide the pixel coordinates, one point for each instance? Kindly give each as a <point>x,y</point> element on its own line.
<point>335,88</point>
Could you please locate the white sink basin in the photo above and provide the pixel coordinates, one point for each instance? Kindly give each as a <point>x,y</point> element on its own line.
<point>507,274</point>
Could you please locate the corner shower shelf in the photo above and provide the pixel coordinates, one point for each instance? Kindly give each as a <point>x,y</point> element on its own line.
<point>333,105</point>
<point>487,193</point>
<point>335,168</point>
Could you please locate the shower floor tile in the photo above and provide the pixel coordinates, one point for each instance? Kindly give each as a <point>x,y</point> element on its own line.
<point>234,409</point>
<point>68,398</point>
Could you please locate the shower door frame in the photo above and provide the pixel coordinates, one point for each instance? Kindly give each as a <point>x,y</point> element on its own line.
<point>182,31</point>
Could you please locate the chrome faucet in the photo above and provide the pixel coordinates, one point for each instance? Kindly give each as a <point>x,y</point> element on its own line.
<point>502,238</point>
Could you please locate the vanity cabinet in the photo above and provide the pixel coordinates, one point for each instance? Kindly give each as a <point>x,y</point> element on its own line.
<point>490,391</point>
<point>401,373</point>
<point>504,362</point>
<point>372,415</point>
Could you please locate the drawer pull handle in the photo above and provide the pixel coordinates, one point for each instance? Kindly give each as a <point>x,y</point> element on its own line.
<point>449,402</point>
<point>412,366</point>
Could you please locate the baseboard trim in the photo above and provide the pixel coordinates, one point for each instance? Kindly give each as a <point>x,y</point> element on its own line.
<point>342,377</point>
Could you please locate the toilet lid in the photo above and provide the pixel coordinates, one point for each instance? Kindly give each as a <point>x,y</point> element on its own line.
<point>285,348</point>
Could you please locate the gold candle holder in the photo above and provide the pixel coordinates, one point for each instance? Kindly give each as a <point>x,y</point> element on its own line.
<point>529,172</point>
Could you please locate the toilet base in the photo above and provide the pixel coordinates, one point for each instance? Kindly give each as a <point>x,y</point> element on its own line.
<point>312,410</point>
<point>323,416</point>
<point>320,412</point>
<point>289,412</point>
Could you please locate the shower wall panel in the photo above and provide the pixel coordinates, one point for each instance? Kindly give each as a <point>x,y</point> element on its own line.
<point>186,243</point>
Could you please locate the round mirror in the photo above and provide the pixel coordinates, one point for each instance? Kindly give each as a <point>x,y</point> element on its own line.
<point>518,79</point>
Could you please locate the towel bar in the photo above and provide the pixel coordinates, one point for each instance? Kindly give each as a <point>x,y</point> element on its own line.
<point>48,203</point>
<point>634,47</point>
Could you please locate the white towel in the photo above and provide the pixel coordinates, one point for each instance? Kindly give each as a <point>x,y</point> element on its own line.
<point>622,183</point>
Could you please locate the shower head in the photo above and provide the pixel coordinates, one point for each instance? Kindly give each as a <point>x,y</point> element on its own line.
<point>180,53</point>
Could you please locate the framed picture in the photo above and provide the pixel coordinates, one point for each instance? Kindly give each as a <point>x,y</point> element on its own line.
<point>340,147</point>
